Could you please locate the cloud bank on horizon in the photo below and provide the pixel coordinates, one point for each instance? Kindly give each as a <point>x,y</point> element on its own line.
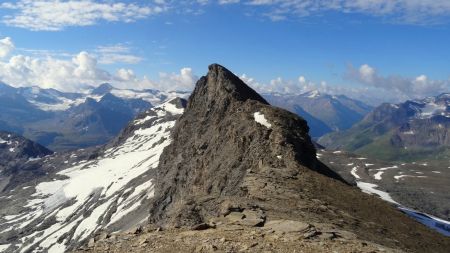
<point>72,71</point>
<point>82,70</point>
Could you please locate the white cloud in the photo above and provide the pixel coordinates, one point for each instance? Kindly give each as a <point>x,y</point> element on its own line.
<point>367,73</point>
<point>118,53</point>
<point>185,80</point>
<point>55,15</point>
<point>228,1</point>
<point>405,87</point>
<point>404,11</point>
<point>82,69</point>
<point>374,89</point>
<point>49,72</point>
<point>126,74</point>
<point>6,46</point>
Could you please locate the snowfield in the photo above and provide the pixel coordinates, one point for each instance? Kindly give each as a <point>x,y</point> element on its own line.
<point>103,193</point>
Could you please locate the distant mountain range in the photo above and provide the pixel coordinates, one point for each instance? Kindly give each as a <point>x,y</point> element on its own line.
<point>64,121</point>
<point>324,113</point>
<point>70,120</point>
<point>410,131</point>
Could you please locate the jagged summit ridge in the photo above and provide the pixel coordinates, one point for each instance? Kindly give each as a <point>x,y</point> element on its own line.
<point>226,131</point>
<point>219,86</point>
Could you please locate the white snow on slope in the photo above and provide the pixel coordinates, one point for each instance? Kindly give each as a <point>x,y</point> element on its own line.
<point>430,109</point>
<point>169,107</point>
<point>4,247</point>
<point>98,186</point>
<point>259,117</point>
<point>63,103</point>
<point>2,141</point>
<point>380,172</point>
<point>370,189</point>
<point>353,172</point>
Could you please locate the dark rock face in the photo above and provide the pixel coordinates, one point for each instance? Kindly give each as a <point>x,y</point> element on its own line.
<point>232,153</point>
<point>227,142</point>
<point>16,153</point>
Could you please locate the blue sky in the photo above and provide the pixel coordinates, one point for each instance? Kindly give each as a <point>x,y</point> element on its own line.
<point>396,49</point>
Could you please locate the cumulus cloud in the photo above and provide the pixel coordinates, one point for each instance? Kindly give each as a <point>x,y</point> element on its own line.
<point>185,80</point>
<point>280,85</point>
<point>6,46</point>
<point>55,15</point>
<point>408,87</point>
<point>370,90</point>
<point>80,70</point>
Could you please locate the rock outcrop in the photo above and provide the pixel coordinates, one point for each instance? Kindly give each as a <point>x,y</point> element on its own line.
<point>15,154</point>
<point>233,153</point>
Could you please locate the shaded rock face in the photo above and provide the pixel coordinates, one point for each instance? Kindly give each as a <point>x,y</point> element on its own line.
<point>15,154</point>
<point>218,143</point>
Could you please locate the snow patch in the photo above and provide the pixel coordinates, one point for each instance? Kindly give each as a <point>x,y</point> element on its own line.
<point>431,109</point>
<point>259,117</point>
<point>380,172</point>
<point>3,247</point>
<point>377,176</point>
<point>353,172</point>
<point>370,189</point>
<point>169,107</point>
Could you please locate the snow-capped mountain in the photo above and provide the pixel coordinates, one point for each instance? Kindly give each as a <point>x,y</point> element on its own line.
<point>66,121</point>
<point>54,100</point>
<point>324,113</point>
<point>431,106</point>
<point>413,130</point>
<point>88,191</point>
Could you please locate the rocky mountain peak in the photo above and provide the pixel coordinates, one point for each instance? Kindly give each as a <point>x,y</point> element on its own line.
<point>225,144</point>
<point>102,89</point>
<point>219,87</point>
